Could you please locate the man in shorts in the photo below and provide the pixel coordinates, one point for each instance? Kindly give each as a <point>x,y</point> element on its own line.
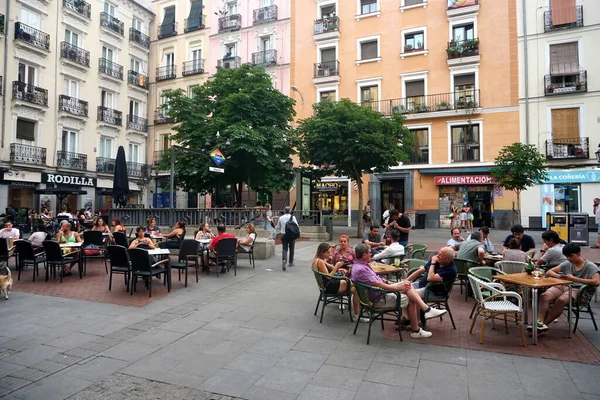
<point>577,270</point>
<point>443,270</point>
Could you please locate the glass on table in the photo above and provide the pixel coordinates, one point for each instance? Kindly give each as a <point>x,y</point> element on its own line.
<point>537,273</point>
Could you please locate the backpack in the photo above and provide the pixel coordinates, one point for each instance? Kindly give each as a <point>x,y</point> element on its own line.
<point>292,230</point>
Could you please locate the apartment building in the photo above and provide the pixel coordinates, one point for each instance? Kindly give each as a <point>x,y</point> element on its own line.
<point>74,88</point>
<point>442,64</point>
<point>559,103</point>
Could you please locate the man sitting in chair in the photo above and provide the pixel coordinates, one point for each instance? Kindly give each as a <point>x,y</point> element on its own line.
<point>443,270</point>
<point>212,247</point>
<point>472,249</point>
<point>373,239</point>
<point>393,250</point>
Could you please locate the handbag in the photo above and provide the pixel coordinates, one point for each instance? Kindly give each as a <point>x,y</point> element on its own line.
<point>92,250</point>
<point>272,224</point>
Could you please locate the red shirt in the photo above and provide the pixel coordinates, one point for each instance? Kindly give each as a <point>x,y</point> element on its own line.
<point>215,240</point>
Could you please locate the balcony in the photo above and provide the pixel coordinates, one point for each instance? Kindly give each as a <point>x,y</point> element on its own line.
<point>136,170</point>
<point>265,15</point>
<point>112,24</point>
<point>138,37</point>
<point>166,72</point>
<point>29,93</point>
<point>550,25</point>
<point>167,30</point>
<point>568,148</point>
<point>465,152</point>
<point>32,36</point>
<point>230,23</point>
<point>30,155</point>
<point>75,54</point>
<point>264,58</point>
<point>137,123</point>
<point>326,71</point>
<point>162,117</point>
<point>72,106</point>
<point>193,67</point>
<point>565,84</point>
<point>229,63</point>
<point>463,52</point>
<point>194,24</point>
<point>462,8</point>
<point>80,7</point>
<point>67,159</point>
<point>110,116</point>
<point>326,28</point>
<point>418,157</point>
<point>105,165</point>
<point>110,68</point>
<point>136,79</point>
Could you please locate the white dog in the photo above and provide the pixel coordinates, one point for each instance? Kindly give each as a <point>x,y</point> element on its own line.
<point>6,283</point>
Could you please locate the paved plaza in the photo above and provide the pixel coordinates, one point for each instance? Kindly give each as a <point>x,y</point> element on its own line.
<point>254,336</point>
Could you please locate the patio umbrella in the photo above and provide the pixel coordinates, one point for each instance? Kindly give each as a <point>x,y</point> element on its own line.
<point>120,180</point>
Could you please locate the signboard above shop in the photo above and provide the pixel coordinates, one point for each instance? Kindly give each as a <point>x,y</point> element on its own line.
<point>462,180</point>
<point>60,179</point>
<point>577,176</point>
<point>327,186</point>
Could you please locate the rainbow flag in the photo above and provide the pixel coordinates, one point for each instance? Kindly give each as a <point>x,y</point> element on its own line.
<point>217,157</point>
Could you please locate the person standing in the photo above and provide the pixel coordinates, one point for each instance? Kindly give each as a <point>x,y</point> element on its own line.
<point>597,217</point>
<point>288,236</point>
<point>270,221</point>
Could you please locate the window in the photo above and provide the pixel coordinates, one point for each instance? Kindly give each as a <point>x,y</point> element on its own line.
<point>134,108</point>
<point>169,63</point>
<point>328,11</point>
<point>465,143</point>
<point>369,97</point>
<point>107,99</point>
<point>414,41</point>
<point>368,6</point>
<point>565,125</point>
<point>191,90</point>
<point>464,91</point>
<point>109,9</point>
<point>420,151</point>
<point>105,147</point>
<point>135,65</point>
<point>327,95</point>
<point>30,18</point>
<point>134,152</point>
<point>230,50</point>
<point>26,74</point>
<point>266,3</point>
<point>136,24</point>
<point>107,53</point>
<point>567,198</point>
<point>69,141</point>
<point>328,65</point>
<point>368,50</point>
<point>25,130</point>
<point>232,8</point>
<point>196,54</point>
<point>408,3</point>
<point>463,32</point>
<point>195,16</point>
<point>72,37</point>
<point>265,43</point>
<point>71,88</point>
<point>564,66</point>
<point>166,142</point>
<point>415,96</point>
<point>167,27</point>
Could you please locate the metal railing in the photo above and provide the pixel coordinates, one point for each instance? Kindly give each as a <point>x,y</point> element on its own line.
<point>67,159</point>
<point>326,68</point>
<point>136,79</point>
<point>326,25</point>
<point>137,123</point>
<point>162,117</point>
<point>462,48</point>
<point>193,67</point>
<point>567,148</point>
<point>139,38</point>
<point>229,62</point>
<point>30,93</point>
<point>264,58</point>
<point>230,23</point>
<point>166,72</point>
<point>105,165</point>
<point>136,170</point>
<point>72,105</point>
<point>467,100</point>
<point>562,84</point>
<point>158,156</point>
<point>81,7</point>
<point>464,152</point>
<point>167,30</point>
<point>22,153</point>
<point>32,36</point>
<point>549,24</point>
<point>75,54</point>
<point>418,157</point>
<point>264,15</point>
<point>194,24</point>
<point>110,116</point>
<point>112,23</point>
<point>110,68</point>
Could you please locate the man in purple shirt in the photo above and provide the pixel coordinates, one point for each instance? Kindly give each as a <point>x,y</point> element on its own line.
<point>362,272</point>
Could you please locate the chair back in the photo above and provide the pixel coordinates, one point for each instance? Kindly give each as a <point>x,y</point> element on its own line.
<point>485,274</point>
<point>140,260</point>
<point>413,263</point>
<point>511,267</point>
<point>319,278</point>
<point>585,295</point>
<point>118,256</point>
<point>416,250</point>
<point>4,247</point>
<point>476,285</point>
<point>463,266</point>
<point>363,293</point>
<point>52,250</point>
<point>226,248</point>
<point>189,247</point>
<point>121,239</point>
<point>92,237</point>
<point>24,250</point>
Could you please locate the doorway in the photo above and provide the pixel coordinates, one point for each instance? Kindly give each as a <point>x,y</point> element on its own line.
<point>392,192</point>
<point>480,203</point>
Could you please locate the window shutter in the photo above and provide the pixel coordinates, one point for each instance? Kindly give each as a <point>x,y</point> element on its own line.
<point>563,12</point>
<point>565,124</point>
<point>564,59</point>
<point>416,88</point>
<point>328,56</point>
<point>412,2</point>
<point>168,25</point>
<point>25,130</point>
<point>461,80</point>
<point>195,16</point>
<point>368,50</point>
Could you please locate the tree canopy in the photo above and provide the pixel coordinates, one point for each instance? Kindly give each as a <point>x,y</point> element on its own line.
<point>240,113</point>
<point>348,139</point>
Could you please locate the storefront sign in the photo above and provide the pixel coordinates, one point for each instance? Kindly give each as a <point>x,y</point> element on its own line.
<point>327,186</point>
<point>68,180</point>
<point>22,176</point>
<point>581,176</point>
<point>463,180</point>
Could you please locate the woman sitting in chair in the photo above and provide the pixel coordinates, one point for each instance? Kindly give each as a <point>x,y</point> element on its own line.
<point>141,241</point>
<point>204,232</point>
<point>66,235</point>
<point>174,239</point>
<point>101,226</point>
<point>118,226</point>
<point>244,245</point>
<point>152,229</point>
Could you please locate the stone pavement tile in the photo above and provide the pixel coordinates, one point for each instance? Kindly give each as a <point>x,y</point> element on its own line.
<point>409,358</point>
<point>450,355</point>
<point>130,317</point>
<point>181,350</point>
<point>379,391</point>
<point>358,342</point>
<point>96,369</point>
<point>301,360</point>
<point>389,374</point>
<point>185,325</point>
<point>257,393</point>
<point>150,367</point>
<point>57,387</point>
<point>551,389</point>
<point>285,380</point>
<point>333,332</point>
<point>205,315</point>
<point>245,335</point>
<point>271,347</point>
<point>30,374</point>
<point>18,330</point>
<point>586,377</point>
<point>351,359</point>
<point>438,373</point>
<point>496,371</point>
<point>225,348</point>
<point>22,343</point>
<point>205,365</point>
<point>263,324</point>
<point>157,336</point>
<point>486,355</point>
<point>489,389</point>
<point>10,383</point>
<point>223,325</point>
<point>316,345</point>
<point>202,337</point>
<point>252,363</point>
<point>222,307</point>
<point>286,333</point>
<point>7,368</point>
<point>589,396</point>
<point>33,355</point>
<point>315,392</point>
<point>538,368</point>
<point>242,314</point>
<point>339,377</point>
<point>447,392</point>
<point>72,340</point>
<point>102,328</point>
<point>230,383</point>
<point>185,379</point>
<point>131,351</point>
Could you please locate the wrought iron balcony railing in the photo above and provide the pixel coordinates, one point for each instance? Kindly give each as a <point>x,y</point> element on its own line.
<point>230,23</point>
<point>167,30</point>
<point>32,36</point>
<point>463,152</point>
<point>166,72</point>
<point>193,67</point>
<point>110,68</point>
<point>31,155</point>
<point>326,25</point>
<point>162,117</point>
<point>137,123</point>
<point>70,160</point>
<point>75,54</point>
<point>30,93</point>
<point>139,38</point>
<point>194,24</point>
<point>418,157</point>
<point>265,58</point>
<point>136,79</point>
<point>567,148</point>
<point>326,68</point>
<point>462,48</point>
<point>110,116</point>
<point>229,62</point>
<point>81,7</point>
<point>135,170</point>
<point>551,24</point>
<point>563,84</point>
<point>467,100</point>
<point>265,15</point>
<point>72,105</point>
<point>105,165</point>
<point>112,23</point>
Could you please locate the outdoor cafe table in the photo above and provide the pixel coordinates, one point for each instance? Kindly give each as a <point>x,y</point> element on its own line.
<point>385,269</point>
<point>532,284</point>
<point>163,253</point>
<point>492,259</point>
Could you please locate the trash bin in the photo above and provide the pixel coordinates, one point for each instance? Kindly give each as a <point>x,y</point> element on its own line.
<point>578,229</point>
<point>412,216</point>
<point>420,221</point>
<point>329,226</point>
<point>559,223</point>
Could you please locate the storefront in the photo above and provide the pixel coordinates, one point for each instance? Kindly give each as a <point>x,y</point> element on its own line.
<point>393,187</point>
<point>333,197</point>
<point>78,184</point>
<point>475,190</point>
<point>17,189</point>
<point>104,199</point>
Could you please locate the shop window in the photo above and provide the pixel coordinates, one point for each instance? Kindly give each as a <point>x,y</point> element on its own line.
<point>420,151</point>
<point>25,130</point>
<point>566,198</point>
<point>465,143</point>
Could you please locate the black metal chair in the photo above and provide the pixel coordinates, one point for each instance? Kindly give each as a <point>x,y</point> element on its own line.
<point>438,294</point>
<point>142,267</point>
<point>6,253</point>
<point>55,259</point>
<point>118,257</point>
<point>581,304</point>
<point>250,252</point>
<point>26,256</point>
<point>226,254</point>
<point>96,239</point>
<point>121,239</point>
<point>187,252</point>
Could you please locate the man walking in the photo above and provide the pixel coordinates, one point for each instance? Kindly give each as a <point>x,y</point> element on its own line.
<point>289,230</point>
<point>597,216</point>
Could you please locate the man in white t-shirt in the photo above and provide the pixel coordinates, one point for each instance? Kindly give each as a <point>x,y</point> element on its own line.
<point>394,249</point>
<point>9,232</point>
<point>286,243</point>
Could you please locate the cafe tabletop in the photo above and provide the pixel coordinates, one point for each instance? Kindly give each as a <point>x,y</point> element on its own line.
<point>156,252</point>
<point>383,269</point>
<point>495,257</point>
<point>528,280</point>
<point>75,244</point>
<point>204,241</point>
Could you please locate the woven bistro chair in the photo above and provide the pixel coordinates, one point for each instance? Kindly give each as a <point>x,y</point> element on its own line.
<point>416,250</point>
<point>486,274</point>
<point>511,267</point>
<point>463,266</point>
<point>368,310</point>
<point>327,298</point>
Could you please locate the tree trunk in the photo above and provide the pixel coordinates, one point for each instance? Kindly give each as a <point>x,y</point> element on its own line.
<point>518,192</point>
<point>360,207</point>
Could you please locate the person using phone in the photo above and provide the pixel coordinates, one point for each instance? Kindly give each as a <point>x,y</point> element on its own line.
<point>394,249</point>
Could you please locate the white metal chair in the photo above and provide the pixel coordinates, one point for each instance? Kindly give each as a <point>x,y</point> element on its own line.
<point>511,267</point>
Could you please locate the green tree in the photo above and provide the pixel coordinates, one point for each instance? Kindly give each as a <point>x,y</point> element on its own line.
<point>517,167</point>
<point>347,139</point>
<point>240,113</point>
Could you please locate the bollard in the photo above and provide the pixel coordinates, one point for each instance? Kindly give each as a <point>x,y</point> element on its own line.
<point>329,226</point>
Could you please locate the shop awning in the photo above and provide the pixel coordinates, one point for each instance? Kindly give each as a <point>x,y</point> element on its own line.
<point>61,193</point>
<point>477,170</point>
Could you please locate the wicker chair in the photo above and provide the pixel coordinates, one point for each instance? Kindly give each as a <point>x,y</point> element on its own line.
<point>463,266</point>
<point>582,304</point>
<point>486,274</point>
<point>327,298</point>
<point>416,250</point>
<point>367,308</point>
<point>511,267</point>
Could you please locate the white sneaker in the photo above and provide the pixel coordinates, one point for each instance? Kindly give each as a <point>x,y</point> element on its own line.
<point>435,312</point>
<point>421,334</point>
<point>291,264</point>
<point>363,319</point>
<point>283,264</point>
<point>342,307</point>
